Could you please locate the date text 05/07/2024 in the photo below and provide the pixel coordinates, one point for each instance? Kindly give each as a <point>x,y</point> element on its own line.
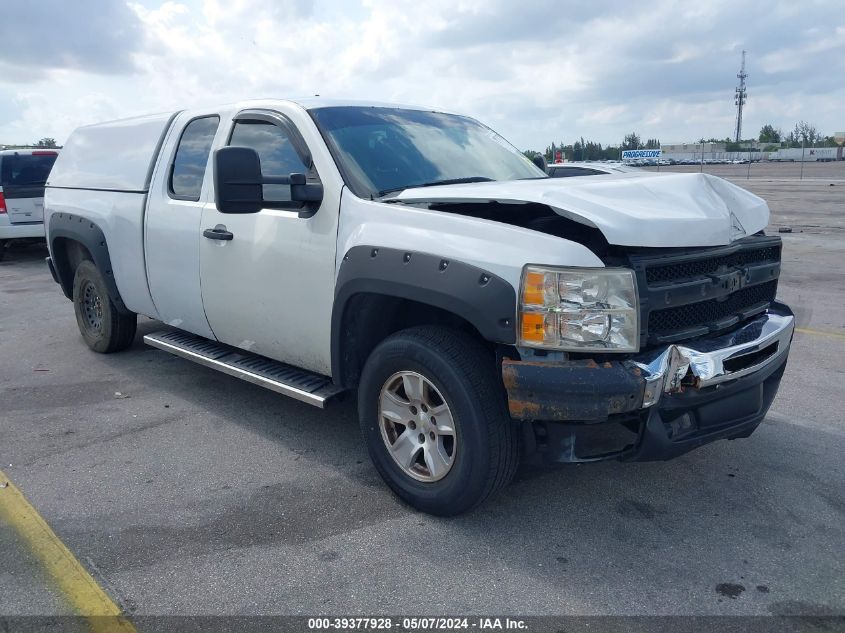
<point>416,623</point>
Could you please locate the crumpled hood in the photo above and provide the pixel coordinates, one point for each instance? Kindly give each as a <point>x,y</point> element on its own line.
<point>649,209</point>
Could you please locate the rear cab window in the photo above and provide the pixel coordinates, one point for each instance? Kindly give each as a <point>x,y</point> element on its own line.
<point>189,163</point>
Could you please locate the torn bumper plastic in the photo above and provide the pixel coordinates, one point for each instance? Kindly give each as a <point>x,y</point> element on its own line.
<point>663,402</point>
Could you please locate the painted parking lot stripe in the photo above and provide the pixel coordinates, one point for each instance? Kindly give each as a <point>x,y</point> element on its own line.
<point>76,585</point>
<point>805,330</point>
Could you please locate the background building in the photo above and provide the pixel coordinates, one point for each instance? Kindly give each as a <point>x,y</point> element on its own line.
<point>682,152</point>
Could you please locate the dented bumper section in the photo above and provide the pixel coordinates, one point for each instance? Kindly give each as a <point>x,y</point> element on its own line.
<point>664,402</point>
<point>710,361</point>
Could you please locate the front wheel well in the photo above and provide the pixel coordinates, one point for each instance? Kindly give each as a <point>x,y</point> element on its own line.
<point>369,318</point>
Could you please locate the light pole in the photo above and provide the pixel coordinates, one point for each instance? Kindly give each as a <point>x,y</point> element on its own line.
<point>802,157</point>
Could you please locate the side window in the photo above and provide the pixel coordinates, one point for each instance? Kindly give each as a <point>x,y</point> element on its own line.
<point>191,158</point>
<point>275,150</point>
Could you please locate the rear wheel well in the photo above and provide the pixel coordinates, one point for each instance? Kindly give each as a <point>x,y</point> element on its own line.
<point>369,318</point>
<point>67,255</point>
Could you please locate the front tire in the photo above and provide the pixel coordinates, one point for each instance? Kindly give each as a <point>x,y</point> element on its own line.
<point>435,421</point>
<point>104,328</point>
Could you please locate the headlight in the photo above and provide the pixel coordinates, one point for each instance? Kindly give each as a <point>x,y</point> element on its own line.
<point>578,309</point>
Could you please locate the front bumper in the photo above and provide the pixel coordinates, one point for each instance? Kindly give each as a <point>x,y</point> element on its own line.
<point>655,405</point>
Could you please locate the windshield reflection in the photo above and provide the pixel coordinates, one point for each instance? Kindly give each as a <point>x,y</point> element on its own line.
<point>380,150</point>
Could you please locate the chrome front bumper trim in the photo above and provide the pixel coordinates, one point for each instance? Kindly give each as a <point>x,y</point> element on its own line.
<point>701,363</point>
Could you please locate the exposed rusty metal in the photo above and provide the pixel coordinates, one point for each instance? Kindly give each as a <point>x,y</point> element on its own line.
<point>508,374</point>
<point>581,390</point>
<point>523,410</point>
<point>588,363</point>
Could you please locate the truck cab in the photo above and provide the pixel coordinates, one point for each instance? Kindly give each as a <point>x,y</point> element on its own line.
<point>481,312</point>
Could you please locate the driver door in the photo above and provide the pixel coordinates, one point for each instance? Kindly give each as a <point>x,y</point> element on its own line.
<point>269,288</point>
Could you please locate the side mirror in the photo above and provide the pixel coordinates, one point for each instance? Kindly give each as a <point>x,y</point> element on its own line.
<point>301,191</point>
<point>238,184</point>
<point>237,180</point>
<point>540,161</point>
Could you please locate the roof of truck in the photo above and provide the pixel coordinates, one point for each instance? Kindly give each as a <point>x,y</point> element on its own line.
<point>312,103</point>
<point>308,103</point>
<point>120,155</point>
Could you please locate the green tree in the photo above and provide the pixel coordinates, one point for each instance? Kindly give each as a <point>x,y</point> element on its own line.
<point>47,142</point>
<point>631,141</point>
<point>770,134</point>
<point>803,132</point>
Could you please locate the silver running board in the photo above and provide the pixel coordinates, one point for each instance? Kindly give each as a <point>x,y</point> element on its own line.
<point>285,379</point>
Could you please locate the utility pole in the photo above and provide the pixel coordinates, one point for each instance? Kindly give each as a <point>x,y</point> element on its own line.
<point>740,97</point>
<point>803,140</point>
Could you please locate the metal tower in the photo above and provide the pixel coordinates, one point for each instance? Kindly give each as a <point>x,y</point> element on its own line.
<point>740,97</point>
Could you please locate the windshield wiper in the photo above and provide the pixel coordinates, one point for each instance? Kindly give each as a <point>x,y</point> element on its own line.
<point>434,183</point>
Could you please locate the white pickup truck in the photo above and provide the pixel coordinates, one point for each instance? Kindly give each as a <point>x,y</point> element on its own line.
<point>483,312</point>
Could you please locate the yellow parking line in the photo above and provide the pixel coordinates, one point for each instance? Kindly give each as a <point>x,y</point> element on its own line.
<point>806,330</point>
<point>73,581</point>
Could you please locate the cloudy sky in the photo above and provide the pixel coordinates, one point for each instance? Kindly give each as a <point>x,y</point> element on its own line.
<point>535,71</point>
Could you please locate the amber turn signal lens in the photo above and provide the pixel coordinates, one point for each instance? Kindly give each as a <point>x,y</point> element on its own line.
<point>534,289</point>
<point>533,327</point>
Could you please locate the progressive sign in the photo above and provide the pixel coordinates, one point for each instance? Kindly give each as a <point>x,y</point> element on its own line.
<point>641,153</point>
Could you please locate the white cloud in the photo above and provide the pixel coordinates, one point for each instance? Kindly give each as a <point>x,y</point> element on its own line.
<point>550,71</point>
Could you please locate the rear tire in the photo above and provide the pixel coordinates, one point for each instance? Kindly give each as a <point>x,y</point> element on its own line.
<point>457,377</point>
<point>104,328</point>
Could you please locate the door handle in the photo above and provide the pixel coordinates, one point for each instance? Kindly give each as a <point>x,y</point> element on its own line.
<point>219,232</point>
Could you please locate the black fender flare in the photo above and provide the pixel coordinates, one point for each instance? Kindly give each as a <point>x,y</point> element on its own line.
<point>80,229</point>
<point>483,299</point>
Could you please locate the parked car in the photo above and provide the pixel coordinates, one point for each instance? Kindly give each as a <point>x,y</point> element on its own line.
<point>23,173</point>
<point>567,170</point>
<point>482,312</point>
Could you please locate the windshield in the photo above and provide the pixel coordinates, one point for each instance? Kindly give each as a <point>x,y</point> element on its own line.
<point>380,150</point>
